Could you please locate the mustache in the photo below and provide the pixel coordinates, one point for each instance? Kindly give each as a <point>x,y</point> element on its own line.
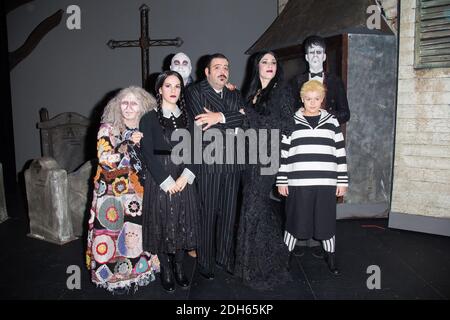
<point>223,76</point>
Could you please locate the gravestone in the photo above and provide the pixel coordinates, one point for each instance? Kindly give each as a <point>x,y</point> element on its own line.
<point>80,190</point>
<point>46,185</point>
<point>57,212</point>
<point>64,138</point>
<point>3,212</point>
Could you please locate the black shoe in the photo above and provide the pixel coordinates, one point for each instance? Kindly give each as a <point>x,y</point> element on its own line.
<point>330,259</point>
<point>180,276</point>
<point>205,274</point>
<point>119,291</point>
<point>167,279</point>
<point>229,269</point>
<point>317,252</point>
<point>291,255</point>
<point>299,251</point>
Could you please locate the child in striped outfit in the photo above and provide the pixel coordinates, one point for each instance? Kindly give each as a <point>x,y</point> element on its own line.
<point>313,173</point>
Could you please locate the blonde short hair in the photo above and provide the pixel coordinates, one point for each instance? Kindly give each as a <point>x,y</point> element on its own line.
<point>312,85</point>
<point>113,114</point>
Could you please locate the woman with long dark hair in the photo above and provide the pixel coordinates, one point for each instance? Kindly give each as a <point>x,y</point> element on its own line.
<point>261,256</point>
<point>170,206</point>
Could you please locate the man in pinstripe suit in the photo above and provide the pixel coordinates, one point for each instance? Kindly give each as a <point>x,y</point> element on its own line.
<point>212,105</point>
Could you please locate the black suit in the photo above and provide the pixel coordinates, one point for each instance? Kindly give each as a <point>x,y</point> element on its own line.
<point>217,183</point>
<point>336,99</point>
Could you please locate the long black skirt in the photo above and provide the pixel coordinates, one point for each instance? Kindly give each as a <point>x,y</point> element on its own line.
<point>170,222</point>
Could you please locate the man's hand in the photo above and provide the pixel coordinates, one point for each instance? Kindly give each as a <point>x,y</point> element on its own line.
<point>283,190</point>
<point>230,86</point>
<point>209,118</point>
<point>136,137</point>
<point>341,191</point>
<point>181,182</point>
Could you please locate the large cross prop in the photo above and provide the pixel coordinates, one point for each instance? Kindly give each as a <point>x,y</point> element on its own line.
<point>145,43</point>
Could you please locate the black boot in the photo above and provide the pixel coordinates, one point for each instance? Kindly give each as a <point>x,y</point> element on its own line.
<point>330,258</point>
<point>166,274</point>
<point>180,276</point>
<point>167,279</point>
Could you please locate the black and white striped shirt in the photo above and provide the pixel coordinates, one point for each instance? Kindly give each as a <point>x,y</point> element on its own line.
<point>313,156</point>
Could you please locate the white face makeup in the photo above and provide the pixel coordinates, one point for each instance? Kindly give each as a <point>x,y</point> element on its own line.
<point>315,56</point>
<point>130,107</point>
<point>181,64</point>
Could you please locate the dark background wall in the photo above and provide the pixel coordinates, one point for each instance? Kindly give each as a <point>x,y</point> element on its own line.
<point>73,70</point>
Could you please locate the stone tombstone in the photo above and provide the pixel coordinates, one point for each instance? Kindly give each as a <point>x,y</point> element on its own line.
<point>3,212</point>
<point>64,138</point>
<point>47,196</point>
<point>79,197</point>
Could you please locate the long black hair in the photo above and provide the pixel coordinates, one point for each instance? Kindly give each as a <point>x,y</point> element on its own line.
<point>181,102</point>
<point>255,82</point>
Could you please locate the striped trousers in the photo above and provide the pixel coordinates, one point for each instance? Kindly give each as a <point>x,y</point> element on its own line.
<point>218,195</point>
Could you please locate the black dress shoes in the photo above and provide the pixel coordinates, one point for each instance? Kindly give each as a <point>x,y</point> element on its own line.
<point>180,276</point>
<point>317,252</point>
<point>167,279</point>
<point>299,251</point>
<point>205,274</point>
<point>330,259</point>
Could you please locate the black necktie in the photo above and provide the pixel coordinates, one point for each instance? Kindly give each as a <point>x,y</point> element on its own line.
<point>318,74</point>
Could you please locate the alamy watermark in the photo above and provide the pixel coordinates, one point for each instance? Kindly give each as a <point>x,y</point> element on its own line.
<point>374,20</point>
<point>73,22</point>
<point>374,280</point>
<point>74,280</point>
<point>232,146</point>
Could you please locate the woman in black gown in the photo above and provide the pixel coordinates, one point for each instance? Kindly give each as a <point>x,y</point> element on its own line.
<point>262,258</point>
<point>170,220</point>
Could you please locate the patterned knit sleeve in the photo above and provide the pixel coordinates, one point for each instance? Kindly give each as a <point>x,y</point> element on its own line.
<point>282,176</point>
<point>108,157</point>
<point>342,176</point>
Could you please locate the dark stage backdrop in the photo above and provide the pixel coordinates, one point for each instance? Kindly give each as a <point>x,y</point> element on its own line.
<point>73,70</point>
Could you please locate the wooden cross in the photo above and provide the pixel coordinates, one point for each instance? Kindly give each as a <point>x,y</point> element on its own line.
<point>145,43</point>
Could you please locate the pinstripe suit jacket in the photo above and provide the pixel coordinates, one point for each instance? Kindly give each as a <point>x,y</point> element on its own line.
<point>201,95</point>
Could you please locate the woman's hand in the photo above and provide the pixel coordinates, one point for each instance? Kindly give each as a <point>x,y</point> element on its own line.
<point>173,189</point>
<point>136,137</point>
<point>181,182</point>
<point>283,190</point>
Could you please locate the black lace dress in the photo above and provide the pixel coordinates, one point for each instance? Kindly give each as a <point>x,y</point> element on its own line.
<point>261,255</point>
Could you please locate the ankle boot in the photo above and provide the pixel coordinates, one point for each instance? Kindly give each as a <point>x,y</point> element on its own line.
<point>167,279</point>
<point>180,276</point>
<point>330,258</point>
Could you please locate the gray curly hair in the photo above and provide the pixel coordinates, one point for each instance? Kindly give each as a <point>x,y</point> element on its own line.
<point>113,114</point>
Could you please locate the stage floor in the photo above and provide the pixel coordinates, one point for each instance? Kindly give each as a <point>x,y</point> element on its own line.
<point>412,266</point>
